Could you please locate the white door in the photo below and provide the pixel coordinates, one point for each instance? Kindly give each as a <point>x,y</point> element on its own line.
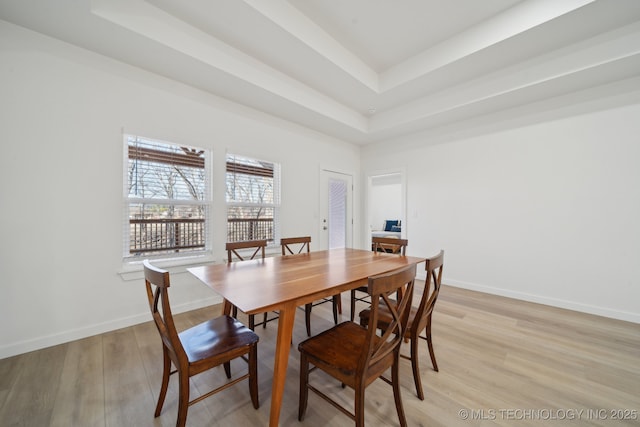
<point>336,210</point>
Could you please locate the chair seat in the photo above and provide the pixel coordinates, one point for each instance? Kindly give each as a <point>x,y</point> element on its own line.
<point>218,336</point>
<point>337,350</point>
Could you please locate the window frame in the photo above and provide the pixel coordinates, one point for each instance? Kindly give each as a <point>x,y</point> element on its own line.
<point>170,254</point>
<point>275,205</point>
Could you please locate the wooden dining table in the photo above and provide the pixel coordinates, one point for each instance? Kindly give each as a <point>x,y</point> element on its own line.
<point>283,283</point>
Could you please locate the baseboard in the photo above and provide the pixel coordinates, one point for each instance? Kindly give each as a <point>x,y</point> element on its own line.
<point>554,302</point>
<point>95,329</point>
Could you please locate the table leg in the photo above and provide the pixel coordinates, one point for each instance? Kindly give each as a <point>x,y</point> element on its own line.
<point>226,307</point>
<point>283,345</point>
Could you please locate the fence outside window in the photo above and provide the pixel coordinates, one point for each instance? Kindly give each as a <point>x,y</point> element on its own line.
<point>161,235</point>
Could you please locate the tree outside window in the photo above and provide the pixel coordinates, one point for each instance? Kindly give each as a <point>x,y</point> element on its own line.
<point>253,199</point>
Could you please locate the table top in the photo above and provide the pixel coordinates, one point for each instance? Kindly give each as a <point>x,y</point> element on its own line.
<point>265,284</point>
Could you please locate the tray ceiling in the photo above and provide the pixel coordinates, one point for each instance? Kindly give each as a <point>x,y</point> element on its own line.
<point>363,70</point>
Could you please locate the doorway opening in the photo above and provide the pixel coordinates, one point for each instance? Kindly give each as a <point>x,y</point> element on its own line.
<point>386,205</point>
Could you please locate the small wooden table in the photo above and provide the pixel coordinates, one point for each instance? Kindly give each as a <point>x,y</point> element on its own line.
<point>285,282</point>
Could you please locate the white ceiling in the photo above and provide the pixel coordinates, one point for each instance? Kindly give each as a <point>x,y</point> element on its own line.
<point>362,70</point>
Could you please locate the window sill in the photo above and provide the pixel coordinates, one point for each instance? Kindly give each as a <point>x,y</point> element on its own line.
<point>133,270</point>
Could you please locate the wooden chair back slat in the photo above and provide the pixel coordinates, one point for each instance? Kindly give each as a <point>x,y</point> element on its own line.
<point>389,245</point>
<point>233,248</point>
<point>295,245</point>
<point>157,283</point>
<point>434,267</point>
<point>380,288</point>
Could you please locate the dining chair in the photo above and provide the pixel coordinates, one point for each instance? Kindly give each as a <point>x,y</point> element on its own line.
<point>233,248</point>
<point>378,244</point>
<point>298,245</point>
<point>197,349</point>
<point>355,355</point>
<point>420,318</point>
<point>295,245</point>
<point>235,252</point>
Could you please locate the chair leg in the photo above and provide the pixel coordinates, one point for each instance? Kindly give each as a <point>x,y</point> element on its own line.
<point>166,370</point>
<point>253,375</point>
<point>307,317</point>
<point>353,303</point>
<point>415,365</point>
<point>359,405</point>
<point>430,344</point>
<point>304,390</point>
<point>334,303</point>
<point>395,381</point>
<point>183,398</point>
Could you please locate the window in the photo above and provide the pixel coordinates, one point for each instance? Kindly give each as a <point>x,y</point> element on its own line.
<point>166,199</point>
<point>253,199</point>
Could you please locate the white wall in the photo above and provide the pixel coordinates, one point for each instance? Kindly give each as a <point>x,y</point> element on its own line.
<point>548,212</point>
<point>62,114</point>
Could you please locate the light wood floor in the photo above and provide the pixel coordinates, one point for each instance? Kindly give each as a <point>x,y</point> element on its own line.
<point>502,362</point>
